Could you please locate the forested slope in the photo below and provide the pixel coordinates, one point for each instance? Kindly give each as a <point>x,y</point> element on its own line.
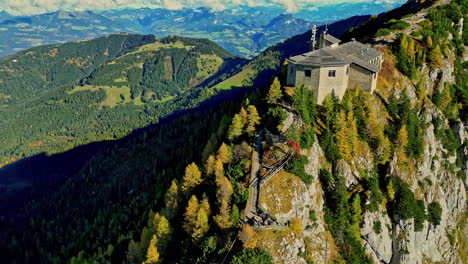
<point>375,178</point>
<point>81,92</point>
<point>105,199</point>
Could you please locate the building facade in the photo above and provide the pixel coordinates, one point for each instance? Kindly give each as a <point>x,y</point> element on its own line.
<point>333,68</point>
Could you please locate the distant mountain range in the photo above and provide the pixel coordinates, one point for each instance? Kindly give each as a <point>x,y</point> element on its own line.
<point>244,31</point>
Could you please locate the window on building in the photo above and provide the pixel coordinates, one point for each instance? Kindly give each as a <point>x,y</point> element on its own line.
<point>308,73</point>
<point>347,70</point>
<point>375,75</point>
<point>292,70</point>
<point>332,73</point>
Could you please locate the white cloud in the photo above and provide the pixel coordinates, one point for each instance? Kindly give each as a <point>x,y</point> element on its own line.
<point>29,7</point>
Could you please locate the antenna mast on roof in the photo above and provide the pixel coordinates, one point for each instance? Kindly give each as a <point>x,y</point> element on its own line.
<point>314,33</point>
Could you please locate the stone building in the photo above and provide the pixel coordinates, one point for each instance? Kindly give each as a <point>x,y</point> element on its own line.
<point>333,68</point>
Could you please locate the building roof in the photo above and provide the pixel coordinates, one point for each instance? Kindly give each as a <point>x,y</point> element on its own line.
<point>331,38</point>
<point>350,52</point>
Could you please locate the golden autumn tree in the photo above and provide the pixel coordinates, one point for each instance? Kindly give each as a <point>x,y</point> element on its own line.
<point>248,236</point>
<point>172,200</point>
<point>436,58</point>
<point>201,225</point>
<point>190,215</point>
<point>218,168</point>
<point>192,178</point>
<point>224,154</point>
<point>342,137</point>
<point>209,166</point>
<point>243,115</point>
<point>205,204</point>
<point>223,219</point>
<point>275,91</point>
<point>224,190</point>
<point>429,41</point>
<point>352,132</point>
<point>152,255</point>
<point>236,127</point>
<point>253,119</point>
<point>163,233</point>
<point>401,143</point>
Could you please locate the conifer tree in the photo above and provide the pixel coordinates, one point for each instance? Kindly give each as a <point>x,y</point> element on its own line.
<point>224,154</point>
<point>218,168</point>
<point>342,137</point>
<point>210,164</point>
<point>133,252</point>
<point>356,212</point>
<point>235,130</point>
<point>152,255</point>
<point>163,233</point>
<point>248,236</point>
<point>172,200</point>
<point>223,219</point>
<point>352,132</point>
<point>400,148</point>
<point>190,215</point>
<point>253,119</point>
<point>205,204</point>
<point>201,225</point>
<point>429,41</point>
<point>155,222</point>
<point>390,191</point>
<point>436,58</point>
<point>224,190</point>
<point>243,115</point>
<point>275,91</point>
<point>192,178</point>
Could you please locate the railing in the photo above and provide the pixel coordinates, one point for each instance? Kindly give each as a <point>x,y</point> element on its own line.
<point>274,171</point>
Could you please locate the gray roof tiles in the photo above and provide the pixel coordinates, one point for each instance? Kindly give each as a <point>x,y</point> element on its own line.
<point>331,38</point>
<point>347,53</point>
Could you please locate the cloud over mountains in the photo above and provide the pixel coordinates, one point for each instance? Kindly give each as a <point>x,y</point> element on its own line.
<point>30,7</point>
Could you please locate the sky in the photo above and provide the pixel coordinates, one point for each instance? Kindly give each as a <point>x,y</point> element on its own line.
<point>32,7</point>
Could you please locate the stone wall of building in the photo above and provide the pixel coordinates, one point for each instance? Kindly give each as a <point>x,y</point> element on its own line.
<point>311,82</point>
<point>332,85</point>
<point>363,78</point>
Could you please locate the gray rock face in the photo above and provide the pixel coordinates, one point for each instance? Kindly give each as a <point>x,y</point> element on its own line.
<point>379,245</point>
<point>344,170</point>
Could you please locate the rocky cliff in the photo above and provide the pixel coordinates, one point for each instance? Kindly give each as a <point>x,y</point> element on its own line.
<point>436,175</point>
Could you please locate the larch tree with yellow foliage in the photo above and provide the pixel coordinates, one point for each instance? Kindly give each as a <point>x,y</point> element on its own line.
<point>172,200</point>
<point>224,154</point>
<point>223,219</point>
<point>224,190</point>
<point>342,136</point>
<point>436,57</point>
<point>152,255</point>
<point>400,148</point>
<point>275,91</point>
<point>201,225</point>
<point>253,119</point>
<point>218,168</point>
<point>243,115</point>
<point>192,178</point>
<point>205,204</point>
<point>248,236</point>
<point>190,215</point>
<point>209,166</point>
<point>235,129</point>
<point>163,233</point>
